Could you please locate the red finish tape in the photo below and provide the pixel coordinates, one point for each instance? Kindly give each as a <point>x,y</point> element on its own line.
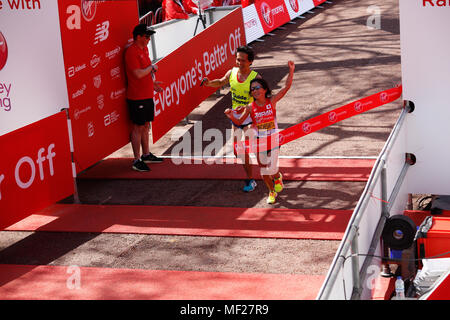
<point>314,124</point>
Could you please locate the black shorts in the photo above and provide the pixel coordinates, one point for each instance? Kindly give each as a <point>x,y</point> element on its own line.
<point>141,111</point>
<point>242,126</point>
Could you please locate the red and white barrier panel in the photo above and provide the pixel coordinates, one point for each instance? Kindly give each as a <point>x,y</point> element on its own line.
<point>94,35</point>
<point>266,15</point>
<point>35,168</point>
<point>58,54</point>
<point>210,54</point>
<point>312,125</point>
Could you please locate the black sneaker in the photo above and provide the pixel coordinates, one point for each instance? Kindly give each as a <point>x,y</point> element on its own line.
<point>151,158</point>
<point>140,165</point>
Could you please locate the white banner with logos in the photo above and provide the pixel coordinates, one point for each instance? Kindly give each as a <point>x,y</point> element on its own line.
<point>269,8</point>
<point>32,78</point>
<point>252,24</point>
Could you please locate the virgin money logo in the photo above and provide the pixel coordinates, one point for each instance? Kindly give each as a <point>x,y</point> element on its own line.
<point>294,5</point>
<point>306,127</point>
<point>78,113</point>
<point>358,106</point>
<point>269,14</point>
<point>3,51</point>
<point>266,13</point>
<point>88,9</point>
<point>383,97</point>
<point>332,116</point>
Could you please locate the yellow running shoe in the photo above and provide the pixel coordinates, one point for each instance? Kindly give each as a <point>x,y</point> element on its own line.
<point>271,198</point>
<point>278,184</point>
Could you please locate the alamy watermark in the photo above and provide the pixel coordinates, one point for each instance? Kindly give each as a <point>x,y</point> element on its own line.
<point>73,282</point>
<point>374,20</point>
<point>219,148</point>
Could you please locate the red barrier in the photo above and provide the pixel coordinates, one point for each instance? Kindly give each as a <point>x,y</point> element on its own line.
<point>94,35</point>
<point>312,125</point>
<point>36,170</point>
<point>272,14</point>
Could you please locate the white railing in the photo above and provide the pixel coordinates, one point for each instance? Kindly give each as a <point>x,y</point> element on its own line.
<point>148,18</point>
<point>351,273</point>
<point>172,34</point>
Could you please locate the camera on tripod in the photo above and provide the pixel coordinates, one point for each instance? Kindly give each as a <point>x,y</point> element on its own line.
<point>202,5</point>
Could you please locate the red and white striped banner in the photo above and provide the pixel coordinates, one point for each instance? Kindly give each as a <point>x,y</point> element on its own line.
<point>324,120</point>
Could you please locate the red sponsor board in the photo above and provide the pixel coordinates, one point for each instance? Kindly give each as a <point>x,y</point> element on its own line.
<point>272,13</point>
<point>94,36</point>
<point>35,169</point>
<point>209,54</point>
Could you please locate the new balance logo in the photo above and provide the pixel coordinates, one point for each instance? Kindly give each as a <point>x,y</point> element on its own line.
<point>101,32</point>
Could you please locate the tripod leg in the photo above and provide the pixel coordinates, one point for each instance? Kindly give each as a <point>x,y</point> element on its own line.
<point>201,18</point>
<point>196,25</point>
<point>203,21</point>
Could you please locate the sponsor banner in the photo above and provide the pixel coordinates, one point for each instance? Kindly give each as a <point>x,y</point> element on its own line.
<point>252,24</point>
<point>37,171</point>
<point>32,81</point>
<point>255,24</point>
<point>272,14</point>
<point>94,36</point>
<point>210,54</point>
<point>312,125</point>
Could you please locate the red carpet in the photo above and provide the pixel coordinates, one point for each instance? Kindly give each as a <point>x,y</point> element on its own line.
<point>198,221</point>
<point>59,282</point>
<point>292,169</point>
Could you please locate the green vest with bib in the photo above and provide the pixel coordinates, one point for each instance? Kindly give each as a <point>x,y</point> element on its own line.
<point>240,91</point>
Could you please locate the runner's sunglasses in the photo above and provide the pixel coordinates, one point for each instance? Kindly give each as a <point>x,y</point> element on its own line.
<point>255,88</point>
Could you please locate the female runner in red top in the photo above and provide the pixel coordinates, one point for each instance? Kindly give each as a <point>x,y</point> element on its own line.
<point>263,113</point>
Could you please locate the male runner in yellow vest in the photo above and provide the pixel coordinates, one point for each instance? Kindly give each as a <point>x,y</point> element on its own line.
<point>239,79</point>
